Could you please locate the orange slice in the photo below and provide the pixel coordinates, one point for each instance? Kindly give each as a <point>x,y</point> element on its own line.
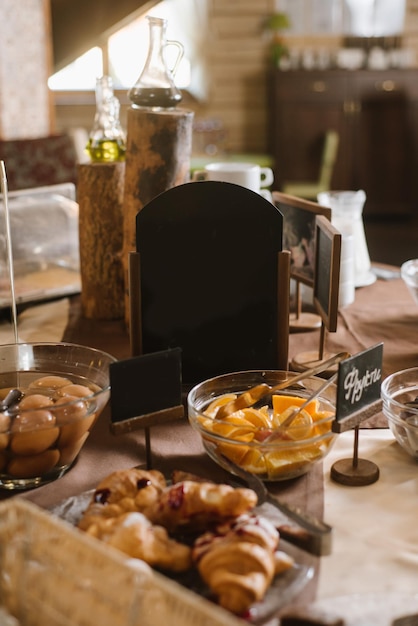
<point>205,423</point>
<point>254,462</point>
<point>324,422</point>
<point>237,420</point>
<point>234,427</point>
<point>279,418</point>
<point>234,453</point>
<point>229,431</point>
<point>283,402</point>
<point>285,461</point>
<point>213,407</point>
<point>260,418</point>
<point>301,427</point>
<point>240,431</point>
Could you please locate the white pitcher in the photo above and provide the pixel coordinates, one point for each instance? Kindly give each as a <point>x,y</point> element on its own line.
<point>347,217</point>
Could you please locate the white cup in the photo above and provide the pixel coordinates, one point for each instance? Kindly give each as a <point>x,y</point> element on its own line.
<point>247,175</point>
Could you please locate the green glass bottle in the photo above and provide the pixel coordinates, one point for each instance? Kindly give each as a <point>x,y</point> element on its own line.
<point>106,140</point>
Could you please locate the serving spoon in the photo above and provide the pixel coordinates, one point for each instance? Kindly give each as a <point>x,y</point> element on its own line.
<point>12,398</point>
<point>251,396</point>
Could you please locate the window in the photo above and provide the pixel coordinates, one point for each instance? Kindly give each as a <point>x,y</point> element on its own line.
<point>376,18</point>
<point>81,74</point>
<point>126,52</point>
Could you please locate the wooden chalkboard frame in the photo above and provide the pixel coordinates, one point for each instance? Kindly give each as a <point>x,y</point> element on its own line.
<point>327,271</point>
<point>302,213</point>
<point>209,276</point>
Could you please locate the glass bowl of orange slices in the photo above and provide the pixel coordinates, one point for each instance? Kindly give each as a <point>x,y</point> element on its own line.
<point>254,437</point>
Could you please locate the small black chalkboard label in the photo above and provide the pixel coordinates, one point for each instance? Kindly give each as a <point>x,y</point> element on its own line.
<point>145,384</point>
<point>359,381</point>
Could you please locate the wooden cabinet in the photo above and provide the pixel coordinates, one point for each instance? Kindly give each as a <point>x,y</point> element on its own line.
<point>376,116</point>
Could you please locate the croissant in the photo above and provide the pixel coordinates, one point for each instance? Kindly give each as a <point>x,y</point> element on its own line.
<point>142,486</point>
<point>193,505</point>
<point>238,574</point>
<point>134,535</point>
<point>121,492</point>
<point>135,510</point>
<point>238,561</point>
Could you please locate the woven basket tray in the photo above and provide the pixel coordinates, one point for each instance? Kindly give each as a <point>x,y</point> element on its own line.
<point>51,573</point>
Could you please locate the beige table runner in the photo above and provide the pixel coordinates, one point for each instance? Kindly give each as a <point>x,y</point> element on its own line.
<point>382,312</point>
<point>43,322</point>
<point>385,313</point>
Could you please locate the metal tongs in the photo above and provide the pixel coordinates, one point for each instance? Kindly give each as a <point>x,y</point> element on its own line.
<point>278,432</point>
<point>311,534</point>
<point>251,396</point>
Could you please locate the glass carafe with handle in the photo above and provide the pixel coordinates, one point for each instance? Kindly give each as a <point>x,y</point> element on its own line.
<point>155,87</point>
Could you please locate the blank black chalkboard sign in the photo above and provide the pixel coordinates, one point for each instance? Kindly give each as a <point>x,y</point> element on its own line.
<point>209,279</point>
<point>327,271</point>
<point>146,390</point>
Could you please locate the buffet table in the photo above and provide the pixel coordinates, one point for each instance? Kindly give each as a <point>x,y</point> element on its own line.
<point>375,546</point>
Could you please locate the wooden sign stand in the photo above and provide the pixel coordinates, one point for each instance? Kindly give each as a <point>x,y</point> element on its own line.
<point>357,472</point>
<point>144,422</point>
<point>298,237</point>
<point>326,287</point>
<point>306,360</point>
<point>302,321</point>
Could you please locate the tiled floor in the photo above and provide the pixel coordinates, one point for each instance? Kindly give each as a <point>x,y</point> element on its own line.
<point>392,241</point>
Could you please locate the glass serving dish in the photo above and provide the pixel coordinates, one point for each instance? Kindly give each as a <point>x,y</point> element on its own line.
<point>400,405</point>
<point>409,274</point>
<point>249,437</point>
<point>61,389</point>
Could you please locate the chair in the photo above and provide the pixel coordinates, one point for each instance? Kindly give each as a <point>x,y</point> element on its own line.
<point>209,276</point>
<point>310,190</point>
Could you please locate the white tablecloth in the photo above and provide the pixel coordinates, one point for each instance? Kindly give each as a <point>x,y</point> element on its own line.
<point>375,544</point>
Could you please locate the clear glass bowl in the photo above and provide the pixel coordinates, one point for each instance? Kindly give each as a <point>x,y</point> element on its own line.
<point>409,273</point>
<point>254,447</point>
<point>398,390</point>
<point>65,387</point>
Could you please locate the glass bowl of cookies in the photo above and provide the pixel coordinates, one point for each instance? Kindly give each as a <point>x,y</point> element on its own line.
<point>256,438</point>
<point>51,395</point>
